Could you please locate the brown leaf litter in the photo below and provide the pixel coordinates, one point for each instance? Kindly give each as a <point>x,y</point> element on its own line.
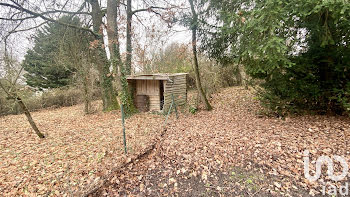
<point>77,151</point>
<point>233,151</point>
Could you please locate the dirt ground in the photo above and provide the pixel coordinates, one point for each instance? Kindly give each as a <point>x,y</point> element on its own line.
<point>234,151</point>
<point>78,149</point>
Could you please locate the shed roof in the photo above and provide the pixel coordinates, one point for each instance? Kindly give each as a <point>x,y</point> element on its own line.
<point>157,76</point>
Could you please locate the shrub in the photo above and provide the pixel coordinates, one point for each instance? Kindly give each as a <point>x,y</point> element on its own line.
<point>61,97</point>
<point>177,58</point>
<point>343,97</point>
<point>52,98</point>
<point>215,76</point>
<point>8,106</point>
<point>300,89</point>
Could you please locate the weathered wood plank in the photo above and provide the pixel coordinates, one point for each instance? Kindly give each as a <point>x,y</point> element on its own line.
<point>172,85</point>
<point>176,81</point>
<point>177,85</point>
<point>169,98</point>
<point>176,89</point>
<point>176,101</point>
<point>176,94</point>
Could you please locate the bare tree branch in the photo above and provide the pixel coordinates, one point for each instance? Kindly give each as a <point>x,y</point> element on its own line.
<point>40,15</point>
<point>151,9</point>
<point>30,28</point>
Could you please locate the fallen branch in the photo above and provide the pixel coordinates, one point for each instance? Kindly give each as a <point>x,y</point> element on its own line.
<point>119,168</point>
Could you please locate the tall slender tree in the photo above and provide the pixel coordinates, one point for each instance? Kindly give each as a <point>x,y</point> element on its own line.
<point>129,14</point>
<point>108,92</point>
<point>194,26</point>
<point>113,35</point>
<point>129,17</point>
<point>117,63</point>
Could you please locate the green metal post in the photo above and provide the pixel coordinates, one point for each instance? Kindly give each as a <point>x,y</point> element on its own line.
<point>123,124</point>
<point>166,119</point>
<point>172,96</point>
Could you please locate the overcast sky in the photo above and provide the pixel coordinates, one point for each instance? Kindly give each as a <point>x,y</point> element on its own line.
<point>22,41</point>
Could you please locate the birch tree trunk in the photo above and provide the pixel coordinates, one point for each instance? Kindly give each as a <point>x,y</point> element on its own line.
<point>108,93</point>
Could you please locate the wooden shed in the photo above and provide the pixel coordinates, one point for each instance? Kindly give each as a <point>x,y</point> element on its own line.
<point>153,92</point>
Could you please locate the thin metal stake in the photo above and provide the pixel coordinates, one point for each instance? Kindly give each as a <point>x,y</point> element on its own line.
<point>172,96</point>
<point>123,124</point>
<point>166,119</point>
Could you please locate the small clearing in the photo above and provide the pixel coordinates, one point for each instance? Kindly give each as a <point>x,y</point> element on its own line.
<point>77,151</point>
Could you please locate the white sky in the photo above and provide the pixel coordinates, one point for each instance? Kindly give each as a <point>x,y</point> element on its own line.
<point>22,41</point>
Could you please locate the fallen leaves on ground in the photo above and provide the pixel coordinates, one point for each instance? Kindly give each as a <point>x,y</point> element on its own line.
<point>77,151</point>
<point>199,152</point>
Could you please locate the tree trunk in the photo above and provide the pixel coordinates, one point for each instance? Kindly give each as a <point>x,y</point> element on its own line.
<point>245,77</point>
<point>113,36</point>
<point>87,100</point>
<point>195,59</point>
<point>113,40</point>
<point>108,94</point>
<point>128,38</point>
<point>23,107</point>
<point>238,73</point>
<point>29,117</point>
<point>86,82</point>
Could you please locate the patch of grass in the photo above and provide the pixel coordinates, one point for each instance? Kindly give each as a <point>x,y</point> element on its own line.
<point>251,180</point>
<point>100,156</point>
<point>192,109</point>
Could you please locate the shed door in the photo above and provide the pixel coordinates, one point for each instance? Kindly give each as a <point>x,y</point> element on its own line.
<point>151,89</point>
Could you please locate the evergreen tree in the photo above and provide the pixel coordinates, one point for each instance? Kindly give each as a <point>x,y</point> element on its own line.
<point>300,49</point>
<point>51,62</point>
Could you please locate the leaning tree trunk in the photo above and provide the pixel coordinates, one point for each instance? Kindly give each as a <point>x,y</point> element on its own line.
<point>195,59</point>
<point>23,107</point>
<point>29,117</point>
<point>108,94</point>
